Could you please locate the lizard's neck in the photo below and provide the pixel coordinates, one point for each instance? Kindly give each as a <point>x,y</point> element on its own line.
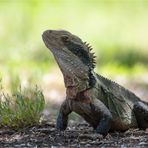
<point>78,77</point>
<point>75,85</point>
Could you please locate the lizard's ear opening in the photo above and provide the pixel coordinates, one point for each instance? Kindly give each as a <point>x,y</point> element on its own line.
<point>65,38</point>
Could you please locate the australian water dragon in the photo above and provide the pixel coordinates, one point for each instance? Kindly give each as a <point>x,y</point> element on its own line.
<point>104,104</point>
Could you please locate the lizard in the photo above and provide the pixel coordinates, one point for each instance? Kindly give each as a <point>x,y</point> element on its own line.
<point>104,104</point>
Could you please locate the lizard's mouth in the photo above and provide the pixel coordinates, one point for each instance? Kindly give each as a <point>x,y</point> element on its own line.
<point>47,40</point>
<point>52,41</point>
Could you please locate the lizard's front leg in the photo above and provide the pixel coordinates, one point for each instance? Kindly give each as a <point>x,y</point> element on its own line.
<point>104,124</point>
<point>95,113</point>
<point>63,115</point>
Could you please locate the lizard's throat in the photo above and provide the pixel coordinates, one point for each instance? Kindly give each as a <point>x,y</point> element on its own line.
<point>76,76</point>
<point>75,85</point>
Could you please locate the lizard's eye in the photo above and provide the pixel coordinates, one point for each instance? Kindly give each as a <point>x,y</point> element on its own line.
<point>65,38</point>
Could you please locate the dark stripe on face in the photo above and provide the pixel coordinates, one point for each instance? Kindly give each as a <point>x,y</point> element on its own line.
<point>78,50</point>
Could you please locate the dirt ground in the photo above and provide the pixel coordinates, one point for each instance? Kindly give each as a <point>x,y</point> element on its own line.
<point>76,135</point>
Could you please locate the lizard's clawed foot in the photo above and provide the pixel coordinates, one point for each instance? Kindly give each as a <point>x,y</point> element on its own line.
<point>101,132</point>
<point>60,125</point>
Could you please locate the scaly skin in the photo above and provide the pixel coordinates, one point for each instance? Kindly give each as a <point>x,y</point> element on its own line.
<point>104,104</point>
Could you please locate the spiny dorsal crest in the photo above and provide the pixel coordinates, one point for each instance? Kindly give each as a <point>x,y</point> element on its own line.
<point>91,54</point>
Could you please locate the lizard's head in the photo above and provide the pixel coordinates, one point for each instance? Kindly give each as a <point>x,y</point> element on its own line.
<point>63,44</point>
<point>71,53</point>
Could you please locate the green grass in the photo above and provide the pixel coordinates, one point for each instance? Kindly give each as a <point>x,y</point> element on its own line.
<point>124,56</point>
<point>21,109</point>
<point>115,69</point>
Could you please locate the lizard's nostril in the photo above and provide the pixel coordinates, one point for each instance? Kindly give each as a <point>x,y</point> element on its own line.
<point>45,33</point>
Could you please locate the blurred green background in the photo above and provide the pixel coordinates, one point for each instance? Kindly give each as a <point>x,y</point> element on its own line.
<point>116,29</point>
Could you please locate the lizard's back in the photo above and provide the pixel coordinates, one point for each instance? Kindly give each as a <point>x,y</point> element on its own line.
<point>118,100</point>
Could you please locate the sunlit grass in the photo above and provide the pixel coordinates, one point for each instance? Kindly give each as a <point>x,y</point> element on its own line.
<point>115,69</point>
<point>23,108</point>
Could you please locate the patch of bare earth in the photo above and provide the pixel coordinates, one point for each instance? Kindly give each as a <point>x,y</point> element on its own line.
<point>76,135</point>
